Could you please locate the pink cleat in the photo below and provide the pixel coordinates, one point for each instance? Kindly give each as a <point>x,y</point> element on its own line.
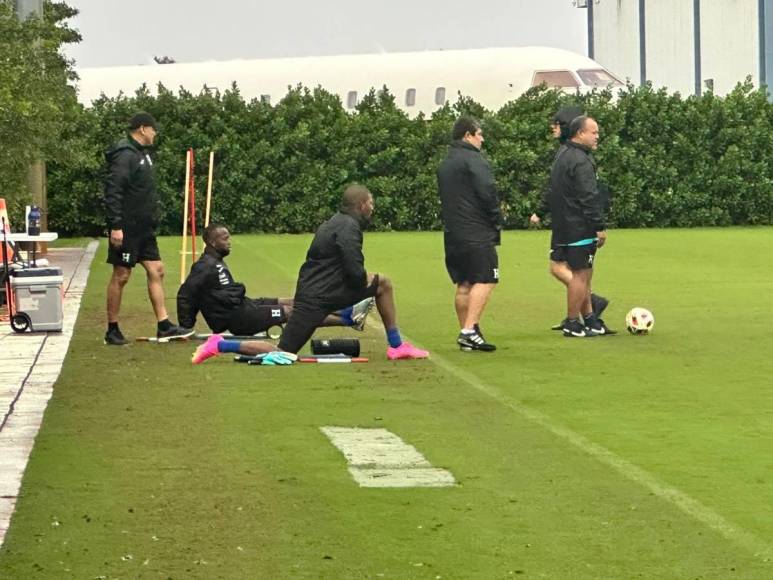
<point>406,351</point>
<point>207,350</point>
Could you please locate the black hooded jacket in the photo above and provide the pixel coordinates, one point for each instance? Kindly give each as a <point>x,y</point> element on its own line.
<point>334,273</point>
<point>131,199</point>
<point>575,203</point>
<point>468,197</point>
<point>210,289</point>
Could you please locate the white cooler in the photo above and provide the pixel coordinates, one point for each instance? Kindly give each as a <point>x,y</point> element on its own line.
<point>37,293</point>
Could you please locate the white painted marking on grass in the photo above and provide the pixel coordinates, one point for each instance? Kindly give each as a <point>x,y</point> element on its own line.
<point>379,458</point>
<point>681,500</point>
<point>674,496</point>
<point>31,365</point>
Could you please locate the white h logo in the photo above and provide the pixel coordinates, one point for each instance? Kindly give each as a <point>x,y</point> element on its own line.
<point>276,313</point>
<point>496,273</point>
<point>127,257</point>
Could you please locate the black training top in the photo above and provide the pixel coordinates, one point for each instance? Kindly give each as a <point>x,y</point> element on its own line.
<point>131,199</point>
<point>468,196</point>
<point>210,289</point>
<point>334,271</point>
<point>574,200</point>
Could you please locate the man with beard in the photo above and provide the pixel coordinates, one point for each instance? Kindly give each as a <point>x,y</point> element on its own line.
<point>332,277</point>
<point>211,290</point>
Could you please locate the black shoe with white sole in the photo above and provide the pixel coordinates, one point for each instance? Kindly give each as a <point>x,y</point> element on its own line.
<point>575,329</point>
<point>474,341</point>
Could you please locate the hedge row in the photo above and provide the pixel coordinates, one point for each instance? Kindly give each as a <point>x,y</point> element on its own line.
<point>668,161</point>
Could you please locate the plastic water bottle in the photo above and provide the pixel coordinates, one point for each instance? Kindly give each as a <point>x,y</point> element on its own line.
<point>33,221</point>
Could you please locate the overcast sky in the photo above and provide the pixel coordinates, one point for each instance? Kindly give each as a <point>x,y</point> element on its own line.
<point>132,32</point>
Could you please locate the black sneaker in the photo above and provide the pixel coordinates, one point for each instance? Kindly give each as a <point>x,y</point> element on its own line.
<point>560,325</point>
<point>598,304</point>
<point>474,341</point>
<point>602,325</point>
<point>174,333</point>
<point>575,329</point>
<point>115,337</point>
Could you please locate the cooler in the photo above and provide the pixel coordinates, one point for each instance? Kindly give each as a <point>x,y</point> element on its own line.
<point>38,294</point>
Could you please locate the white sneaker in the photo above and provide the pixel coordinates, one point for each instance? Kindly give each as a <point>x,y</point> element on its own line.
<point>360,313</point>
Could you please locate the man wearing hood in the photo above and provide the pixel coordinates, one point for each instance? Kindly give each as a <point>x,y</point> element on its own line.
<point>211,290</point>
<point>472,222</point>
<point>131,201</point>
<point>559,268</point>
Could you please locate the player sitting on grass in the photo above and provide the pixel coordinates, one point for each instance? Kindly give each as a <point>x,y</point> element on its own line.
<point>210,289</point>
<point>333,276</point>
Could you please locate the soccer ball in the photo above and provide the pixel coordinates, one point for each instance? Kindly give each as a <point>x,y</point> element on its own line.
<point>639,321</point>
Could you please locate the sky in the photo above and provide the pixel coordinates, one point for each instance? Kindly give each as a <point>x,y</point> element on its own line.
<point>133,32</point>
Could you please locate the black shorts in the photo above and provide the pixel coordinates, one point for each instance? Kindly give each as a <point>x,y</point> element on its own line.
<point>579,257</point>
<point>136,247</point>
<point>256,315</point>
<point>308,316</point>
<point>472,263</point>
<point>558,254</point>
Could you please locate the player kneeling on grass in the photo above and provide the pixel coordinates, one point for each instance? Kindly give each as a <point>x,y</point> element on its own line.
<point>333,276</point>
<point>210,289</point>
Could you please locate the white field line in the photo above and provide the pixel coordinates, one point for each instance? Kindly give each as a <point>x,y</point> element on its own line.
<point>672,495</point>
<point>32,391</point>
<point>377,457</point>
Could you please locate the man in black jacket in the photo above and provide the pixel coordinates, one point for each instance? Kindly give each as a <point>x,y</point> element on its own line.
<point>578,224</point>
<point>332,277</point>
<point>559,269</point>
<point>472,222</point>
<point>211,290</point>
<point>131,202</point>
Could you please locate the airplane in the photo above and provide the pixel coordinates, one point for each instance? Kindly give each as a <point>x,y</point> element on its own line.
<point>421,82</point>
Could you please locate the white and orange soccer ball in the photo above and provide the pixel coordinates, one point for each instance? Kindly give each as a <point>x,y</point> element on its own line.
<point>639,321</point>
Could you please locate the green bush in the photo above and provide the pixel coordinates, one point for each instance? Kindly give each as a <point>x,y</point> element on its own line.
<point>668,161</point>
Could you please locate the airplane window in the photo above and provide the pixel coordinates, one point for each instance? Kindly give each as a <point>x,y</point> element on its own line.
<point>440,96</point>
<point>265,99</point>
<point>351,99</point>
<point>554,78</point>
<point>598,77</point>
<point>410,97</point>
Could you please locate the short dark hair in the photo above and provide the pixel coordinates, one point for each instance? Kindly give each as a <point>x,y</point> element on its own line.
<point>354,194</point>
<point>142,119</point>
<point>209,232</point>
<point>577,125</point>
<point>463,126</point>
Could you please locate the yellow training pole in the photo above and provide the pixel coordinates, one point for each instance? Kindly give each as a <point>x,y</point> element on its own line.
<point>209,187</point>
<point>185,216</point>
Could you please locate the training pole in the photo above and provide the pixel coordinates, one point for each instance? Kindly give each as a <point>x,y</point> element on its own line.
<point>193,206</point>
<point>209,187</point>
<point>185,217</point>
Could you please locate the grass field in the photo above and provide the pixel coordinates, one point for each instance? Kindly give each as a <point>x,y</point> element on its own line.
<point>608,458</point>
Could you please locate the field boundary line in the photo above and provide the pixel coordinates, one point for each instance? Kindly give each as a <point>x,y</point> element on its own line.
<point>688,505</point>
<point>630,471</point>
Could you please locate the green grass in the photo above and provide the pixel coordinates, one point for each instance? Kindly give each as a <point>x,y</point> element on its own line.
<point>220,471</point>
<point>70,242</point>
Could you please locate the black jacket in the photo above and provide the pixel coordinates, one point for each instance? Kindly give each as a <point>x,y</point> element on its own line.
<point>211,290</point>
<point>131,199</point>
<point>468,196</point>
<point>575,203</point>
<point>334,272</point>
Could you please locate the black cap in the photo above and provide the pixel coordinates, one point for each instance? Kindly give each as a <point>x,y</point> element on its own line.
<point>564,118</point>
<point>142,119</point>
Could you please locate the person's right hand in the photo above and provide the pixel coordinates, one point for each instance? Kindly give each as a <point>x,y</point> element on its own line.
<point>534,219</point>
<point>601,238</point>
<point>278,357</point>
<point>116,238</point>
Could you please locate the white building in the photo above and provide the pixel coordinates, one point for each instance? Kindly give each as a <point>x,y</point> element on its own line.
<point>683,45</point>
